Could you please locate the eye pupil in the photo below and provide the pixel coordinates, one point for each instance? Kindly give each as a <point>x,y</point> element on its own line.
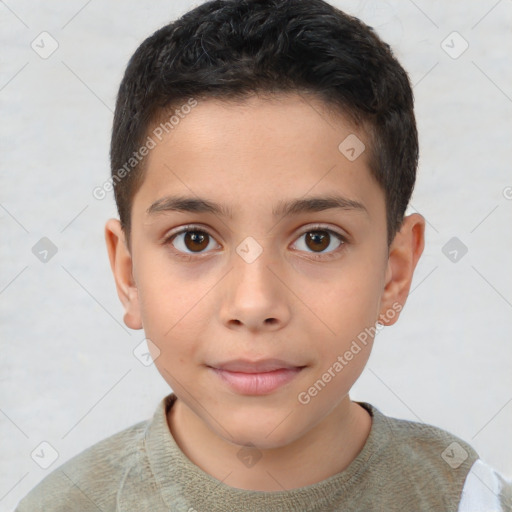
<point>320,240</point>
<point>195,238</point>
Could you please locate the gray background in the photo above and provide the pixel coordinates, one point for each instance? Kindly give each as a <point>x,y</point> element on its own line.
<point>68,373</point>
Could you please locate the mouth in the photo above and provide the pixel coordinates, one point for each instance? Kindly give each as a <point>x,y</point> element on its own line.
<point>255,377</point>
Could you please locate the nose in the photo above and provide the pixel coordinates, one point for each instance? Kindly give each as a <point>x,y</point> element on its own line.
<point>254,296</point>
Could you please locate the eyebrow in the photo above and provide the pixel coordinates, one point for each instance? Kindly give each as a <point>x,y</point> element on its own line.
<point>284,208</point>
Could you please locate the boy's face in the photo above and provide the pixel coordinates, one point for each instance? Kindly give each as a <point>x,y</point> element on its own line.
<point>257,285</point>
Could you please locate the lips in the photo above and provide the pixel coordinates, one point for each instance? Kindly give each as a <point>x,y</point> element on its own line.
<point>245,366</point>
<point>255,377</point>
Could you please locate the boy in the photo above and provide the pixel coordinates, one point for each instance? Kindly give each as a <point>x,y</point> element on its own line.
<point>279,138</point>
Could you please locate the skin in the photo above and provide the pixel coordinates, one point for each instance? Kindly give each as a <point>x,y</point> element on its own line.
<point>212,305</point>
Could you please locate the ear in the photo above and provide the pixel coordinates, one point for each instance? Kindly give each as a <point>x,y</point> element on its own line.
<point>404,253</point>
<point>121,265</point>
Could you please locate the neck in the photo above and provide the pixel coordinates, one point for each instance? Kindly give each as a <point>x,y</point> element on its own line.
<point>325,450</point>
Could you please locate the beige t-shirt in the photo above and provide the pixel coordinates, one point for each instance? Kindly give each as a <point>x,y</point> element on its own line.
<point>403,466</point>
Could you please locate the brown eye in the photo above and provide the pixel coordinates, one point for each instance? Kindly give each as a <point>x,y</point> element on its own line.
<point>191,241</point>
<point>196,240</point>
<point>317,240</point>
<point>320,242</point>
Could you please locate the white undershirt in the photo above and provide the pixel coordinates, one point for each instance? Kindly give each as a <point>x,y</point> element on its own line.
<point>482,490</point>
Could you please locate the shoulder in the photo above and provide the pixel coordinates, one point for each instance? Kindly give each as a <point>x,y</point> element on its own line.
<point>90,479</point>
<point>416,440</point>
<point>426,465</point>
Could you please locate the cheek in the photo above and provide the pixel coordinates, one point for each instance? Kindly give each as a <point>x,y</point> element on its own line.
<point>172,305</point>
<point>348,301</point>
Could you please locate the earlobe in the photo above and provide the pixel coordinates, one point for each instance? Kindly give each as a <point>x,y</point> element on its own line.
<point>122,269</point>
<point>404,254</point>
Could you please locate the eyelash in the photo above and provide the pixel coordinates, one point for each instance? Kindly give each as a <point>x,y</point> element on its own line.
<point>316,256</point>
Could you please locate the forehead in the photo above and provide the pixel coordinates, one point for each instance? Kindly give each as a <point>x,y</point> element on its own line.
<point>257,152</point>
<point>286,118</point>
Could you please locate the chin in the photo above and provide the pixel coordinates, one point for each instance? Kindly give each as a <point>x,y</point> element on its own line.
<point>264,434</point>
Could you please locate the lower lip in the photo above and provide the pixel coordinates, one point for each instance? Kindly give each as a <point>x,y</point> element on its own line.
<point>257,383</point>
